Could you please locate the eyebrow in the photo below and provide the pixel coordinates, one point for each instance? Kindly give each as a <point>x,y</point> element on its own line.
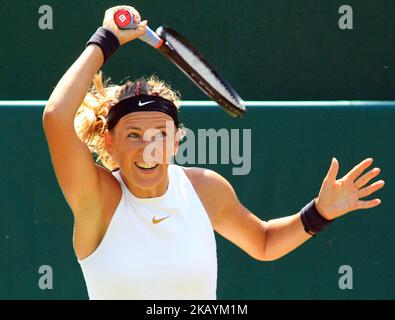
<point>137,128</point>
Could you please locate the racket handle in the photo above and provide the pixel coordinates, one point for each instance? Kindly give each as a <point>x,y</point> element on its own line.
<point>125,20</point>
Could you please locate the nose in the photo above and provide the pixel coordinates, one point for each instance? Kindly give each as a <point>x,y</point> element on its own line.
<point>151,151</point>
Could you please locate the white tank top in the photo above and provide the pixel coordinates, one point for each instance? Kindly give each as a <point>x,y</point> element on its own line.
<point>175,259</point>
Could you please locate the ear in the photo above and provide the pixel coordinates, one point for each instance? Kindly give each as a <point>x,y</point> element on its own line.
<point>109,144</point>
<point>179,135</point>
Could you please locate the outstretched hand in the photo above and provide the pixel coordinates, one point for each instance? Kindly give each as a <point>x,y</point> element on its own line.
<point>338,197</point>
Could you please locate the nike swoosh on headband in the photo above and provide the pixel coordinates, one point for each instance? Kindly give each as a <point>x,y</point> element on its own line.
<point>141,104</point>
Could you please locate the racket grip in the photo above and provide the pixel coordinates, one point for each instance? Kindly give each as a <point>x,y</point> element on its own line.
<point>125,20</point>
<point>152,38</point>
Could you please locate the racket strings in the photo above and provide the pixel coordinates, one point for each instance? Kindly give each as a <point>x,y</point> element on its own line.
<point>205,71</point>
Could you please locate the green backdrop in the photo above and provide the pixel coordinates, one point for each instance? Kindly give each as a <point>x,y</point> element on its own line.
<point>291,152</point>
<point>269,50</point>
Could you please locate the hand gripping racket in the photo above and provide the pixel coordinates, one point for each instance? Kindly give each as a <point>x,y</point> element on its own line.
<point>190,61</point>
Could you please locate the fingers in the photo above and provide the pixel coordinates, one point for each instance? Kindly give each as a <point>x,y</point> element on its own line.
<point>370,189</point>
<point>125,35</point>
<point>368,204</point>
<point>333,170</point>
<point>367,177</point>
<point>133,12</point>
<point>358,169</point>
<point>136,14</point>
<point>125,7</point>
<point>142,28</point>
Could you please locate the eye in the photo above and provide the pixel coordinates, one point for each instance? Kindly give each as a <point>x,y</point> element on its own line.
<point>160,135</point>
<point>133,135</point>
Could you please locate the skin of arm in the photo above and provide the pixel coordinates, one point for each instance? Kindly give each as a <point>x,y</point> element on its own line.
<point>264,241</point>
<point>82,182</point>
<point>77,174</point>
<point>271,240</point>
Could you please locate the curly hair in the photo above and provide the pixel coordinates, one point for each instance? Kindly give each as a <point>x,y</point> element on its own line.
<point>90,120</point>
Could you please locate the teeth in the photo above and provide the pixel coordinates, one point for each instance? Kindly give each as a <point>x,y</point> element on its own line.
<point>144,165</point>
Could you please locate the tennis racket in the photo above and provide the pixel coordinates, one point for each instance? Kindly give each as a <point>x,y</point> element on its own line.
<point>190,61</point>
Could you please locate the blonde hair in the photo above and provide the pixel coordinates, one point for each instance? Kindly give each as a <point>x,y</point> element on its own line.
<point>90,120</point>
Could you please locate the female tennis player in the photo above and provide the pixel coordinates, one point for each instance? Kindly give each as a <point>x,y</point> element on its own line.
<point>144,228</point>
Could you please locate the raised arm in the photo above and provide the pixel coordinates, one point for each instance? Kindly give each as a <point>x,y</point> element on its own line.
<point>77,174</point>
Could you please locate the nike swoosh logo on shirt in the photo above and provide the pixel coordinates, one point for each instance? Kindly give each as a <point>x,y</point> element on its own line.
<point>156,221</point>
<point>141,104</point>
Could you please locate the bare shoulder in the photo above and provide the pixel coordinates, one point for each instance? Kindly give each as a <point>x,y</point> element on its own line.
<point>106,177</point>
<point>214,191</point>
<point>110,193</point>
<point>110,187</point>
<point>89,232</point>
<point>202,178</point>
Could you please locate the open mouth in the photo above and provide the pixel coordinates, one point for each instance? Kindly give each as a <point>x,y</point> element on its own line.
<point>146,166</point>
